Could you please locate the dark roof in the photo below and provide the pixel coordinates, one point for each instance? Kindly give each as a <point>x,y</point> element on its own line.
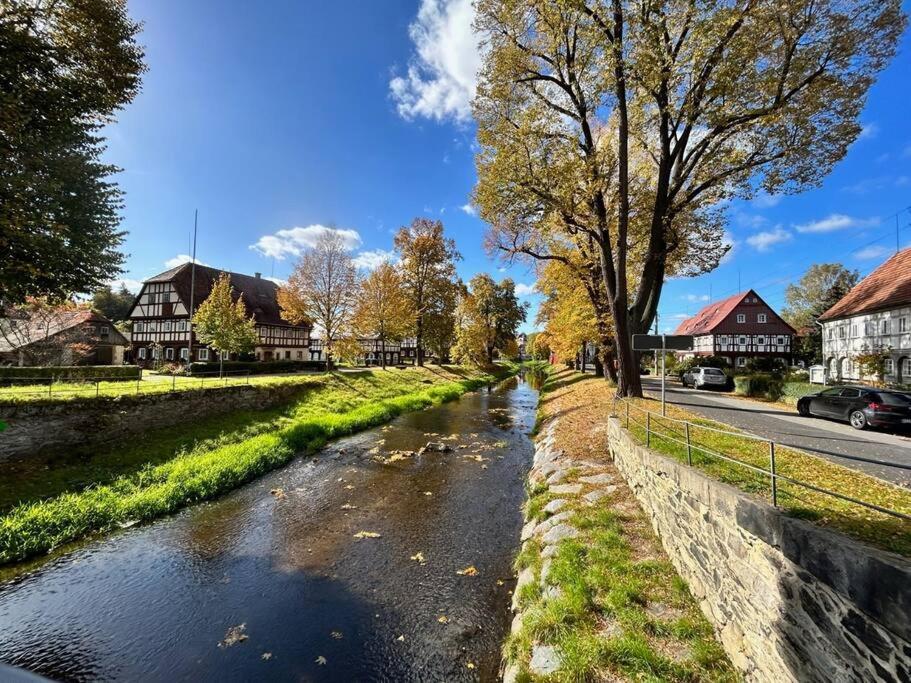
<point>260,295</point>
<point>889,286</point>
<point>710,317</point>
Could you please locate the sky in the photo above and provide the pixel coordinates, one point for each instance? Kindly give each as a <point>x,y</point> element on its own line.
<point>282,119</point>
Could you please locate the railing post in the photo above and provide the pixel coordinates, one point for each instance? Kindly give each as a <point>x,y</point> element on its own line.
<point>772,473</point>
<point>689,449</point>
<point>648,428</point>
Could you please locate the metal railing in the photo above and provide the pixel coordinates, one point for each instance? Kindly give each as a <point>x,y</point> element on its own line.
<point>49,387</point>
<point>684,438</point>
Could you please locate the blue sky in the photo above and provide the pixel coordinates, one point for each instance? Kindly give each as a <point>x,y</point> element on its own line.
<point>274,119</point>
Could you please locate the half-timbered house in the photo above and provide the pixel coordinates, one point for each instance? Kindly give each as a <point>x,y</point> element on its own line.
<point>738,328</point>
<point>161,317</point>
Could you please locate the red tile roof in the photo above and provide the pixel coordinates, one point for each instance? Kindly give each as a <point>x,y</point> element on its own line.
<point>710,316</point>
<point>889,286</point>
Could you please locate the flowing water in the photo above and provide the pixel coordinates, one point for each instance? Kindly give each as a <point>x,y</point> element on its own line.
<point>270,581</point>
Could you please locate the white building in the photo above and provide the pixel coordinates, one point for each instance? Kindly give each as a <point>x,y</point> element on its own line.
<point>874,316</point>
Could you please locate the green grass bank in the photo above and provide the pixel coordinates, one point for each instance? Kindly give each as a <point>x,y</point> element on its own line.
<point>334,405</point>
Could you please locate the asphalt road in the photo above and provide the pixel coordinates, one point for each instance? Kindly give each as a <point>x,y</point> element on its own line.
<point>826,438</point>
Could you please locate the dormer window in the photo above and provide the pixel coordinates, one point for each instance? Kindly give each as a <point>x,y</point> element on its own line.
<point>741,317</point>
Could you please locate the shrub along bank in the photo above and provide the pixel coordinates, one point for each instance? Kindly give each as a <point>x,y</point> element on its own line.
<point>17,375</point>
<point>216,467</point>
<point>773,387</point>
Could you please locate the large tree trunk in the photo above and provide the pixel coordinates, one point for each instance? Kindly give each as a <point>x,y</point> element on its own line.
<point>419,338</point>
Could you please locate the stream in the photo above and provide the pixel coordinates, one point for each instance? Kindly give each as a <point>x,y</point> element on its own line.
<point>286,579</point>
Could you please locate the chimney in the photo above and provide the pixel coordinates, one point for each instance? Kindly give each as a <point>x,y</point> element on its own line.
<point>257,275</point>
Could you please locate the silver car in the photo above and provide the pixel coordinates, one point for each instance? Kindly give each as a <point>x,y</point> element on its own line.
<point>705,377</point>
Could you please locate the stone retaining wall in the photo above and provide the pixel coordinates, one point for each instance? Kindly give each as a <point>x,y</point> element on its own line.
<point>791,601</point>
<point>47,428</point>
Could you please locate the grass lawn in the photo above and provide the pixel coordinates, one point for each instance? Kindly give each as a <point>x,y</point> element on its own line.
<point>879,529</point>
<point>141,481</point>
<point>619,611</point>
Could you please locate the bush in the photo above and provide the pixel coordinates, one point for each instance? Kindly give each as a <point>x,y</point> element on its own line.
<point>719,362</point>
<point>265,367</point>
<point>759,386</point>
<point>70,373</point>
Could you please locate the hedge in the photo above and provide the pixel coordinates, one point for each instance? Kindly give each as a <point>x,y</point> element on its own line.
<point>70,373</point>
<point>759,385</point>
<point>267,367</point>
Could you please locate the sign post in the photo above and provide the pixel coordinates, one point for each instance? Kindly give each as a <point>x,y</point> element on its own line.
<point>662,342</point>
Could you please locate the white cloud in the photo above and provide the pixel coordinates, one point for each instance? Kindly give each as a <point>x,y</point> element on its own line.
<point>131,284</point>
<point>695,297</point>
<point>277,280</point>
<point>469,209</point>
<point>369,260</point>
<point>293,241</point>
<point>180,259</point>
<point>763,241</point>
<point>766,201</point>
<point>443,72</point>
<point>868,131</point>
<point>836,221</point>
<point>873,252</point>
<point>526,290</point>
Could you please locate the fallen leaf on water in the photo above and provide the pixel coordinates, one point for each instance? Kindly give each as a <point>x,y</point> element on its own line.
<point>321,660</point>
<point>278,493</point>
<point>468,571</point>
<point>419,558</point>
<point>483,467</point>
<point>336,634</point>
<point>349,506</point>
<point>443,619</point>
<point>401,638</point>
<point>235,634</point>
<point>266,656</point>
<point>366,534</point>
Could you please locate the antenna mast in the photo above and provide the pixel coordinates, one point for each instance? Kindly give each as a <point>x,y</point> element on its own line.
<point>192,290</point>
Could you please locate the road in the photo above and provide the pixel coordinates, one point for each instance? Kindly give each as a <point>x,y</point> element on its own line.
<point>825,438</point>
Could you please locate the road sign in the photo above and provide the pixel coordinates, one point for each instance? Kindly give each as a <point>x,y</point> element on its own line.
<point>666,342</point>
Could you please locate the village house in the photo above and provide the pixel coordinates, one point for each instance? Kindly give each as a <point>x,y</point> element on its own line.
<point>875,316</point>
<point>372,350</point>
<point>61,337</point>
<point>737,329</point>
<point>161,317</point>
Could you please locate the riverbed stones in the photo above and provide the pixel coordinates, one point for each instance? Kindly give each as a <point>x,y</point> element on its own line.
<point>566,489</point>
<point>559,533</point>
<point>597,479</point>
<point>437,447</point>
<point>554,506</point>
<point>593,497</point>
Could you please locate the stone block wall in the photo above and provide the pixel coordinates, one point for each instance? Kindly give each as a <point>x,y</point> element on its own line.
<point>48,428</point>
<point>791,601</point>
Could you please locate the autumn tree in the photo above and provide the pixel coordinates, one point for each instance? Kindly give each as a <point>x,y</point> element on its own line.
<point>66,68</point>
<point>322,289</point>
<point>427,265</point>
<point>625,126</point>
<point>384,310</point>
<point>221,322</point>
<point>439,324</point>
<point>489,317</point>
<point>820,288</point>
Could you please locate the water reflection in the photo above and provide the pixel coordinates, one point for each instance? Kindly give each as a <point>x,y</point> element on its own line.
<point>280,556</point>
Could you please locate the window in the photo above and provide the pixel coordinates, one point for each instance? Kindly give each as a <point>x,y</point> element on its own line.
<point>869,328</point>
<point>142,353</point>
<point>780,341</point>
<point>287,355</point>
<point>167,326</point>
<point>830,333</point>
<point>153,327</point>
<point>169,353</point>
<point>300,355</point>
<point>184,353</point>
<point>182,326</point>
<point>760,340</point>
<point>156,352</point>
<point>204,354</point>
<point>850,393</point>
<point>741,317</point>
<point>884,327</point>
<point>138,327</point>
<point>761,318</point>
<point>841,332</point>
<point>742,341</point>
<point>153,298</point>
<point>906,368</point>
<point>902,324</point>
<point>741,362</point>
<point>889,366</point>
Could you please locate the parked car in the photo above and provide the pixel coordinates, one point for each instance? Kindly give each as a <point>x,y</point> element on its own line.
<point>700,377</point>
<point>861,407</point>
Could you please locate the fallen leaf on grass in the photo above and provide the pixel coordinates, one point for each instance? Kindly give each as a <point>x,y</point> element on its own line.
<point>321,661</point>
<point>468,571</point>
<point>366,534</point>
<point>235,634</point>
<point>469,665</point>
<point>419,558</point>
